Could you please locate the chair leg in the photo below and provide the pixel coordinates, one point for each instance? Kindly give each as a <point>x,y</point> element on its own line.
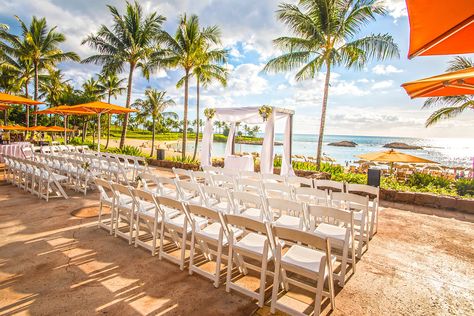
<point>183,248</point>
<point>230,263</point>
<point>276,285</point>
<point>191,254</point>
<point>218,264</point>
<point>263,277</point>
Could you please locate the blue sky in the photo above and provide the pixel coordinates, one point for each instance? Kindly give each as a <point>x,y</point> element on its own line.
<point>367,102</point>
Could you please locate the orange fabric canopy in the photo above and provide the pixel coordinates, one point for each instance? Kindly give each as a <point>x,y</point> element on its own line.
<point>440,27</point>
<point>459,82</point>
<point>64,110</point>
<point>392,156</point>
<point>99,107</point>
<point>48,129</point>
<point>13,99</point>
<point>12,127</point>
<point>4,106</point>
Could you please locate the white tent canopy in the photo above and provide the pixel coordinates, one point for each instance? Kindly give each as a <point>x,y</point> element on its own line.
<point>250,115</point>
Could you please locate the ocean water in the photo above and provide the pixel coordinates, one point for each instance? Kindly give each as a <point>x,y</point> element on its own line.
<point>447,151</point>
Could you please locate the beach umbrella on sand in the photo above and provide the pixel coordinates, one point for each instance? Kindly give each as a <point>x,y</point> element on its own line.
<point>100,108</point>
<point>13,99</point>
<point>452,83</point>
<point>65,111</point>
<point>440,27</point>
<point>392,156</point>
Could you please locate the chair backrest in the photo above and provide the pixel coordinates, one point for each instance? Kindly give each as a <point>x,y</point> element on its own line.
<point>363,189</point>
<point>27,152</point>
<point>167,184</point>
<point>244,222</point>
<point>148,182</point>
<point>277,189</point>
<point>311,196</point>
<point>330,215</point>
<point>120,189</point>
<point>189,190</point>
<point>201,211</point>
<point>349,201</point>
<point>331,185</point>
<point>140,196</point>
<point>169,203</point>
<point>181,174</point>
<point>201,177</point>
<point>250,185</point>
<point>302,238</point>
<point>300,182</point>
<point>271,177</point>
<point>245,174</point>
<point>225,181</point>
<point>217,193</point>
<point>279,206</point>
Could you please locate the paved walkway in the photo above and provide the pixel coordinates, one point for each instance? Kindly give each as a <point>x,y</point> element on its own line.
<point>52,263</point>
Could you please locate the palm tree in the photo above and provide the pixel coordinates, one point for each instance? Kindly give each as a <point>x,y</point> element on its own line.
<point>451,106</point>
<point>325,36</point>
<point>207,70</point>
<point>182,51</point>
<point>92,89</point>
<point>153,105</point>
<point>39,44</point>
<point>130,42</point>
<point>111,86</point>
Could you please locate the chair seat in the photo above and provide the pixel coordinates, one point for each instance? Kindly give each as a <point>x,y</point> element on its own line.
<point>59,177</point>
<point>145,207</point>
<point>289,221</point>
<point>253,243</point>
<point>252,212</point>
<point>218,205</point>
<point>212,232</point>
<point>335,233</point>
<point>305,258</point>
<point>178,221</point>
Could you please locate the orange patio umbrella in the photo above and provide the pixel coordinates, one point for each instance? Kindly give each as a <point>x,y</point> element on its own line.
<point>392,156</point>
<point>14,99</point>
<point>13,128</point>
<point>65,111</point>
<point>440,27</point>
<point>99,108</point>
<point>459,82</point>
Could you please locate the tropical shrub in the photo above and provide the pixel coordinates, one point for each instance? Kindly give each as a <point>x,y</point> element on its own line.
<point>350,177</point>
<point>423,180</point>
<point>187,159</point>
<point>128,150</point>
<point>465,187</point>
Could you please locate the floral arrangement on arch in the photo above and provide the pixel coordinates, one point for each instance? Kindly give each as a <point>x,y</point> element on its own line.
<point>265,112</point>
<point>209,113</point>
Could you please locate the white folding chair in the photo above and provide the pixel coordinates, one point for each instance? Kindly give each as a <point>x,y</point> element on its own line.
<point>250,186</point>
<point>359,205</point>
<point>311,196</point>
<point>201,177</point>
<point>123,212</point>
<point>182,174</point>
<point>167,188</point>
<point>249,205</point>
<point>251,244</point>
<point>250,175</point>
<point>148,182</point>
<point>338,226</point>
<point>212,234</point>
<point>190,192</point>
<point>106,197</point>
<point>309,256</point>
<point>223,181</point>
<point>175,229</point>
<point>286,213</point>
<point>278,189</point>
<point>374,194</point>
<point>217,198</point>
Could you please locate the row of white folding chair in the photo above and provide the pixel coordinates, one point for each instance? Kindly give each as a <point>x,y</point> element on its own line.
<point>35,177</point>
<point>206,226</point>
<point>62,148</point>
<point>134,164</point>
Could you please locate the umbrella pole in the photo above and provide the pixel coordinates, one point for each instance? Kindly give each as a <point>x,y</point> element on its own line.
<point>65,127</point>
<point>98,133</point>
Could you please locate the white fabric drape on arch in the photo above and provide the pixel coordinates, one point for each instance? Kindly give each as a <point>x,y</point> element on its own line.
<point>250,115</point>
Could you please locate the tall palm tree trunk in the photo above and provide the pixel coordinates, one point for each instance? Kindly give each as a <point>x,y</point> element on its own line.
<point>35,121</point>
<point>196,141</point>
<point>153,136</point>
<point>129,96</point>
<point>185,119</point>
<point>108,125</point>
<point>323,114</point>
<point>27,106</point>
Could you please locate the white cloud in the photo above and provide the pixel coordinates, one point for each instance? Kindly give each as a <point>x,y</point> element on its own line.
<point>382,84</point>
<point>396,8</point>
<point>385,69</point>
